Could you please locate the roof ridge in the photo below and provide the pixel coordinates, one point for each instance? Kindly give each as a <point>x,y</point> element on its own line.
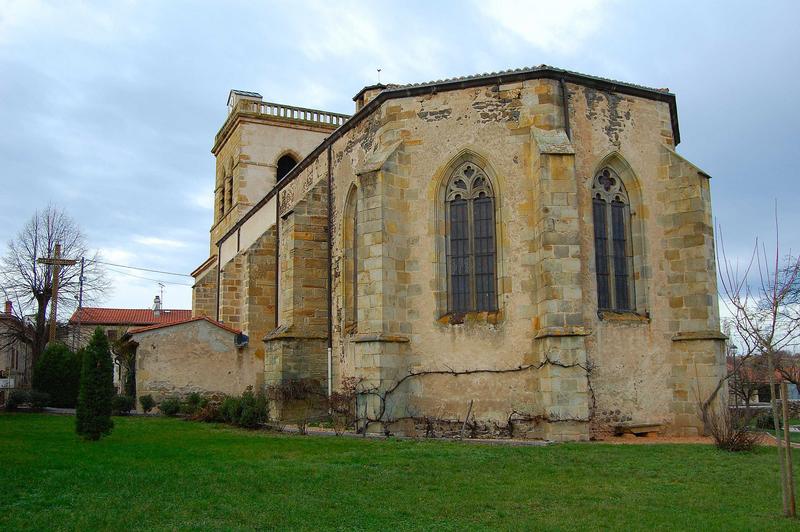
<point>521,70</point>
<point>127,308</point>
<point>219,324</point>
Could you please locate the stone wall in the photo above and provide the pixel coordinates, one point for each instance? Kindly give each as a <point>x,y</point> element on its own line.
<point>640,364</point>
<point>196,356</point>
<point>204,293</point>
<point>297,348</point>
<point>232,296</point>
<point>545,355</point>
<point>258,308</point>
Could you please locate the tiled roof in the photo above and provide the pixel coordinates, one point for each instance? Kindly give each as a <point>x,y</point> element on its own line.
<point>246,93</point>
<point>524,70</point>
<point>198,318</point>
<point>127,316</point>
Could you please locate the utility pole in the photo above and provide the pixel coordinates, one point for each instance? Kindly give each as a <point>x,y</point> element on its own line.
<point>77,332</point>
<point>56,262</point>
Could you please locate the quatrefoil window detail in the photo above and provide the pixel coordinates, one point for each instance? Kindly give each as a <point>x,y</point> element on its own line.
<point>608,186</point>
<point>468,182</point>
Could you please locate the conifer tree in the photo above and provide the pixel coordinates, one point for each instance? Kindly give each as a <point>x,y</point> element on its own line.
<point>58,373</point>
<point>93,416</point>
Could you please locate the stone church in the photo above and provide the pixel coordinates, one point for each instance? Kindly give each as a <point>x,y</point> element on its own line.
<point>524,245</point>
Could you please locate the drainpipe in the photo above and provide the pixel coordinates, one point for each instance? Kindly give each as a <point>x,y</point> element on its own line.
<point>565,107</point>
<point>219,275</point>
<point>277,256</point>
<point>330,272</point>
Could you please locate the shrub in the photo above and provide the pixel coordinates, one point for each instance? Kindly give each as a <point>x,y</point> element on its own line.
<point>17,398</point>
<point>170,406</point>
<point>194,399</point>
<point>187,409</point>
<point>342,406</point>
<point>302,399</point>
<point>58,373</point>
<point>209,412</point>
<point>38,399</point>
<point>121,405</point>
<point>253,410</point>
<point>765,421</point>
<point>729,434</point>
<point>231,410</point>
<point>93,415</point>
<point>147,402</point>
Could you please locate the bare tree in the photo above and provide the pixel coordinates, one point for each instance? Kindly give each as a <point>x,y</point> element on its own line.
<point>766,320</point>
<point>788,365</point>
<point>747,375</point>
<point>29,284</point>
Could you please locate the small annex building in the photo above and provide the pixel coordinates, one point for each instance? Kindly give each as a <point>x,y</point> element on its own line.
<point>115,323</point>
<point>194,355</point>
<point>527,246</point>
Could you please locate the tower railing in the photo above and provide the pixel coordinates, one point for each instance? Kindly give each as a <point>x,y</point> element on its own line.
<point>289,112</point>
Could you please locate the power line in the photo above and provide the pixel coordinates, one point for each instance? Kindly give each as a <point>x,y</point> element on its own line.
<point>138,268</point>
<point>149,278</point>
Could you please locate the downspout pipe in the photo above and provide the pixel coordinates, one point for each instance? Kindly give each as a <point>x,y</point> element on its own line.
<point>277,259</point>
<point>330,271</point>
<point>219,276</point>
<point>565,107</point>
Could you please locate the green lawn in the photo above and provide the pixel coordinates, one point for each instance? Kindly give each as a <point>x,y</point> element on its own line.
<point>793,436</point>
<point>155,473</point>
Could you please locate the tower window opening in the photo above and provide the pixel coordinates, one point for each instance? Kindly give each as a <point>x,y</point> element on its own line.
<point>285,165</point>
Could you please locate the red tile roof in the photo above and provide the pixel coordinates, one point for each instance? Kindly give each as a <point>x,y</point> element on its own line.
<point>127,316</point>
<point>198,318</point>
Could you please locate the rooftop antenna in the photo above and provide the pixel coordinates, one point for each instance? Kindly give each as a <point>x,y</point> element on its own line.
<point>379,75</point>
<point>161,287</point>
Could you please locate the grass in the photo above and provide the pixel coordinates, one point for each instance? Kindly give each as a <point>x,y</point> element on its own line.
<point>166,474</point>
<point>794,437</point>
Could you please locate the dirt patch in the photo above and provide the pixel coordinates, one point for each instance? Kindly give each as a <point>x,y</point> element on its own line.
<point>630,439</point>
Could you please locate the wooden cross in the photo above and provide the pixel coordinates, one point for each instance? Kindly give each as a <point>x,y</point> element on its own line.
<point>56,262</point>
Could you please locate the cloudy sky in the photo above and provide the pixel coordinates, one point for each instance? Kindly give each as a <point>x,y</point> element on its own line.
<point>108,109</point>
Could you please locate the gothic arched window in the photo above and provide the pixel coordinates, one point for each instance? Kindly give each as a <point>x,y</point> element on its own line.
<point>228,193</point>
<point>285,165</point>
<point>471,248</point>
<point>612,249</point>
<point>351,259</point>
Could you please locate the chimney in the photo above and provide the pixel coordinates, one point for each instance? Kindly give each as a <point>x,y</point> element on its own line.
<point>9,308</point>
<point>157,306</point>
<point>236,96</point>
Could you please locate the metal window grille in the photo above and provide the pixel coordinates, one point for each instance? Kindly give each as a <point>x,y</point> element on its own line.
<point>471,244</point>
<point>612,250</point>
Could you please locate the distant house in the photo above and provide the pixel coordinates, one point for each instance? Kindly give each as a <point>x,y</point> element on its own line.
<point>116,322</point>
<point>752,380</point>
<point>16,352</point>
